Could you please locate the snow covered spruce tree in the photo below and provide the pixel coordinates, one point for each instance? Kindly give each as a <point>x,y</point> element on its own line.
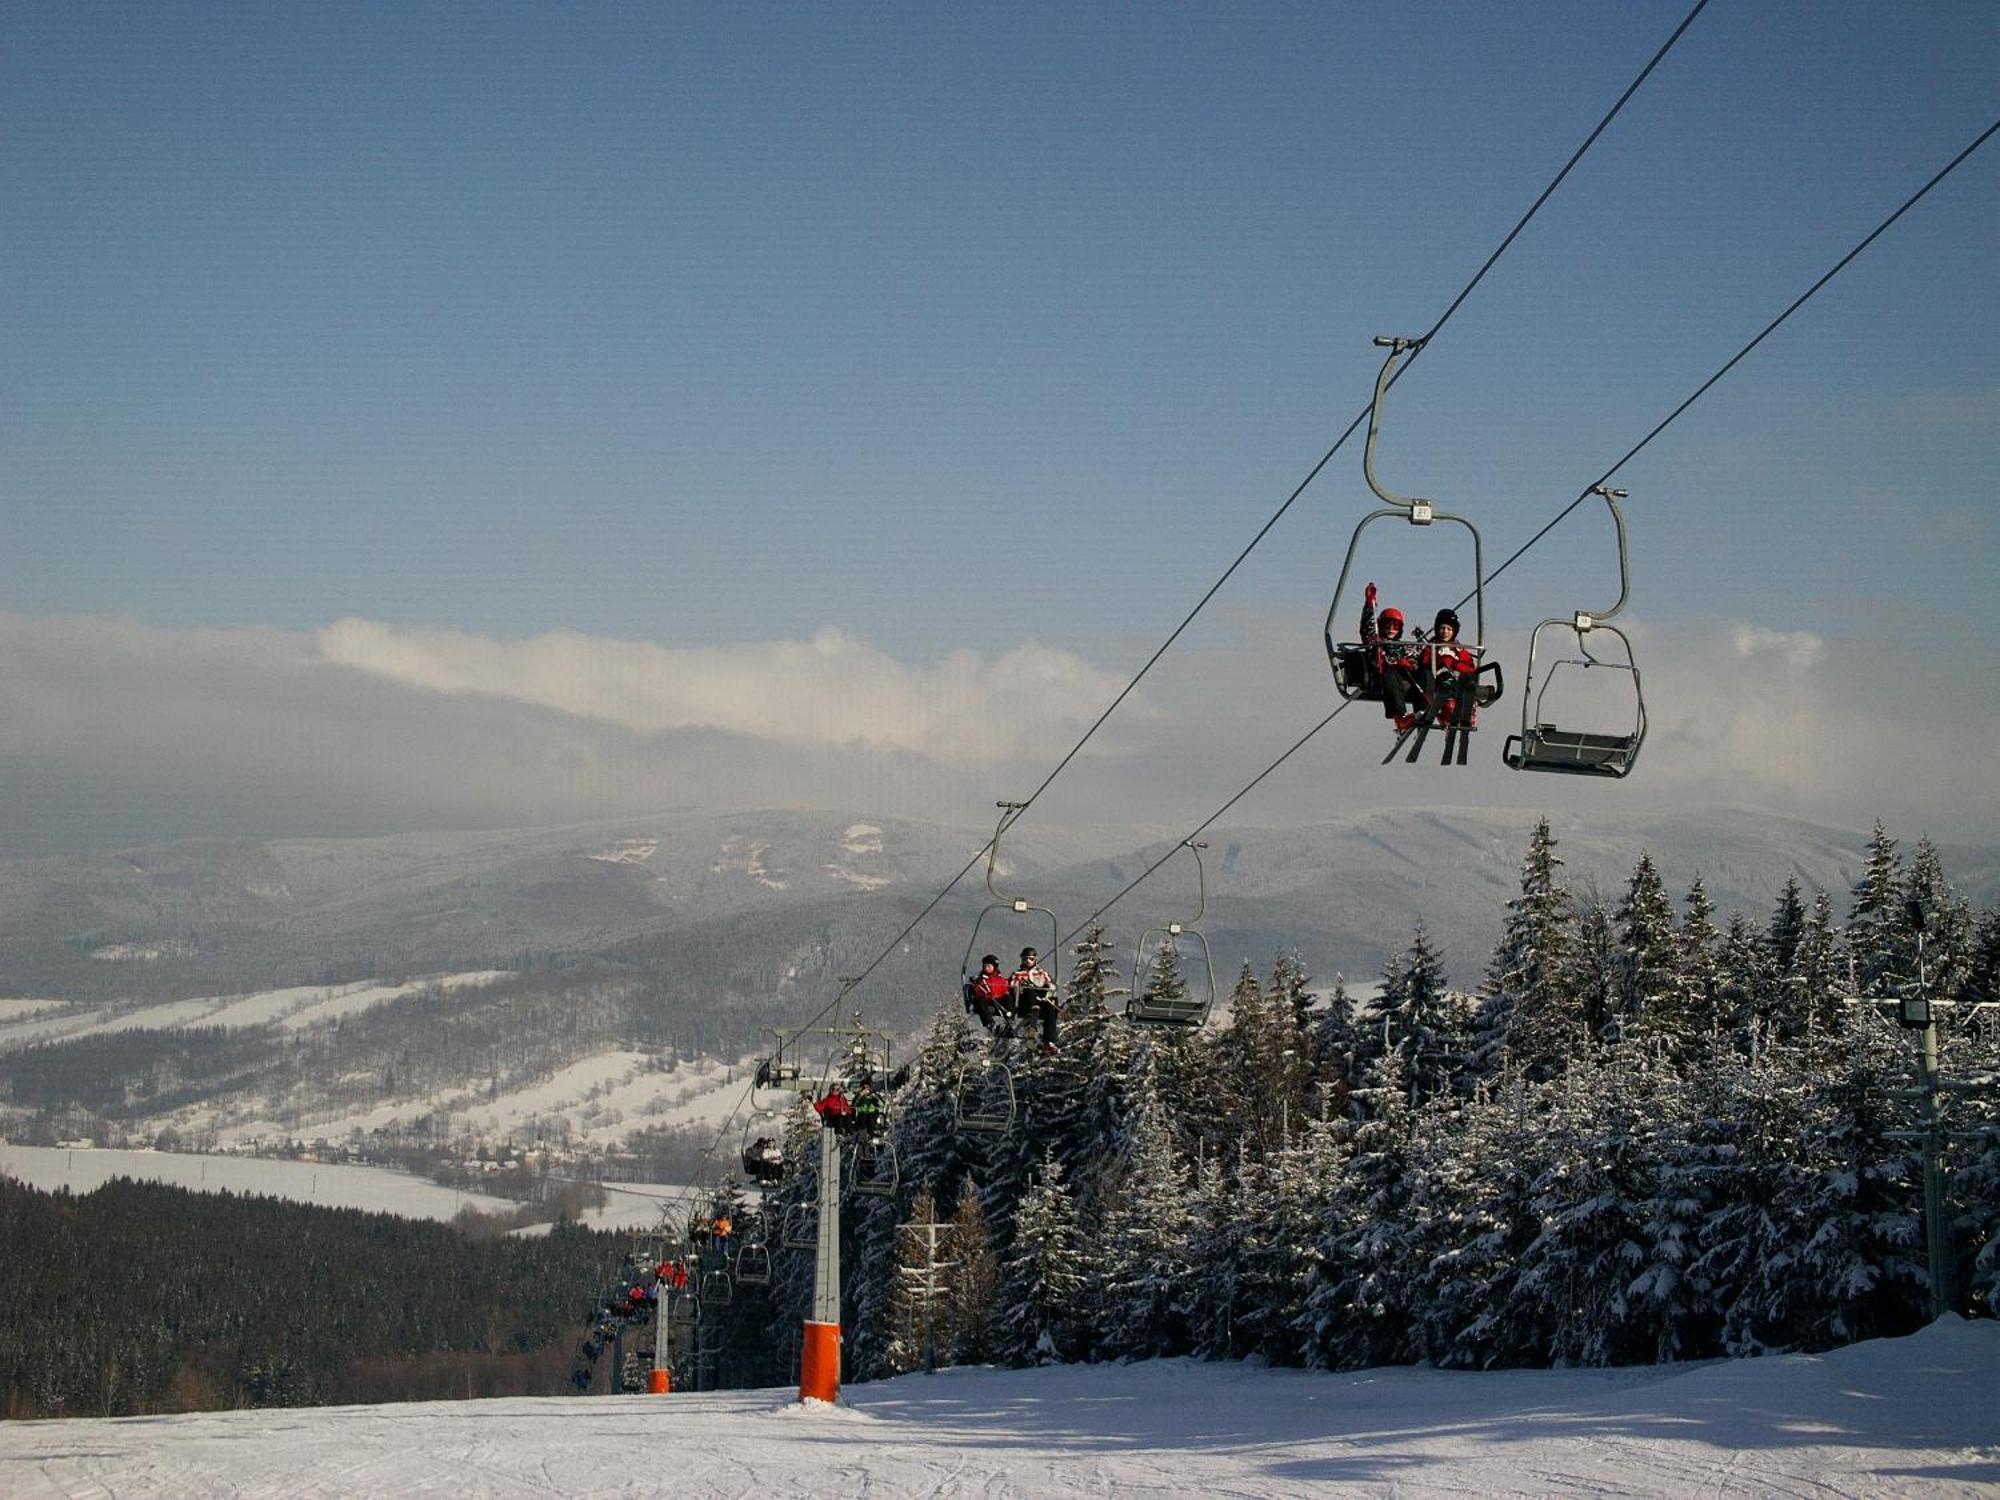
<point>1035,1321</point>
<point>974,1283</point>
<point>1139,1252</point>
<point>1527,1018</point>
<point>1428,1025</point>
<point>1648,966</point>
<point>1876,933</point>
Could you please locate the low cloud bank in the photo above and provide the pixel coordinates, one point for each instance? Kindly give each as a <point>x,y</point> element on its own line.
<point>116,732</point>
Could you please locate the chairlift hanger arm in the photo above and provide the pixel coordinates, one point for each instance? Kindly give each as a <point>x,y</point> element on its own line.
<point>1417,511</point>
<point>1584,619</point>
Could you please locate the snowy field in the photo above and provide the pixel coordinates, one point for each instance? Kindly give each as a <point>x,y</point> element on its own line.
<point>23,1022</point>
<point>1915,1416</point>
<point>376,1189</point>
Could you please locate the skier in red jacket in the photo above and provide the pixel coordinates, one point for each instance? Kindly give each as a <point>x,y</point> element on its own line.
<point>836,1109</point>
<point>989,995</point>
<point>1399,666</point>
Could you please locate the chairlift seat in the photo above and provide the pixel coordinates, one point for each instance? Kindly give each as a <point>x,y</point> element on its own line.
<point>1156,1010</point>
<point>1575,752</point>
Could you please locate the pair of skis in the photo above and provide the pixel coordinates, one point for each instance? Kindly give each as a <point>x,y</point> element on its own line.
<point>1457,739</point>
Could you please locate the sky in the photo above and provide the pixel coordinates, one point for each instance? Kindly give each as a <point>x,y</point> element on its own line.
<point>417,417</point>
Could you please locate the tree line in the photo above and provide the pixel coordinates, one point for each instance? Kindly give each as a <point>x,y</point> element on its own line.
<point>1645,1134</point>
<point>139,1298</point>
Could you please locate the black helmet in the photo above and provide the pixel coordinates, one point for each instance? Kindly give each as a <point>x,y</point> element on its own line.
<point>1445,617</point>
<point>1029,953</point>
<point>990,958</point>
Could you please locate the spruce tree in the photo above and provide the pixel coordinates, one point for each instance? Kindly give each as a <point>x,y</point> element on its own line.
<point>1875,931</point>
<point>1647,953</point>
<point>975,1279</point>
<point>1093,977</point>
<point>1527,1017</point>
<point>1932,912</point>
<point>1788,926</point>
<point>1428,1025</point>
<point>1141,1246</point>
<point>1035,1322</point>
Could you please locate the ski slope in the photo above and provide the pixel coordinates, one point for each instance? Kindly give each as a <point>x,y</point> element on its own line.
<point>1914,1416</point>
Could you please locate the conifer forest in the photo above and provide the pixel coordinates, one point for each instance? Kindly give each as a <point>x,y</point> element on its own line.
<point>1643,1134</point>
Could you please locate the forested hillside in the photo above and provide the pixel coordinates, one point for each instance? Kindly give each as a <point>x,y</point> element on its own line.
<point>140,1298</point>
<point>1642,1135</point>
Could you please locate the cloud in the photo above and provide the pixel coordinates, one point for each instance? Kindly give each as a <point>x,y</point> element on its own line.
<point>116,732</point>
<point>831,690</point>
<point>1796,651</point>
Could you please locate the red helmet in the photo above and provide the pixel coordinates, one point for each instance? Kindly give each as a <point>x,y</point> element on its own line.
<point>1392,616</point>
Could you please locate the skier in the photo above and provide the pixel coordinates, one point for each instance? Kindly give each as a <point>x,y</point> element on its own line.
<point>1451,668</point>
<point>764,1160</point>
<point>1396,666</point>
<point>989,995</point>
<point>835,1110</point>
<point>1035,992</point>
<point>867,1110</point>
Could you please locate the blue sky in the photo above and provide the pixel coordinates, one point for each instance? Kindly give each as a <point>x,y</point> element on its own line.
<point>960,327</point>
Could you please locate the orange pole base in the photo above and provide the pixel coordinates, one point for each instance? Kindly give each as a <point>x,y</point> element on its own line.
<point>819,1363</point>
<point>660,1383</point>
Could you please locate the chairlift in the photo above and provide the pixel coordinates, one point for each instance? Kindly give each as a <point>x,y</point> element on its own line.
<point>1192,1007</point>
<point>872,1167</point>
<point>764,1147</point>
<point>753,1262</point>
<point>799,1229</point>
<point>1017,906</point>
<point>1544,746</point>
<point>778,1073</point>
<point>984,1100</point>
<point>717,1290</point>
<point>1354,677</point>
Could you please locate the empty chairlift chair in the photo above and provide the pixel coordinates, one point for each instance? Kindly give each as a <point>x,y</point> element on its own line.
<point>1611,748</point>
<point>1188,1001</point>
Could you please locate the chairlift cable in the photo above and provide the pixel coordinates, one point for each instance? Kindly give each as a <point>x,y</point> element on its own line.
<point>1735,359</point>
<point>1667,421</point>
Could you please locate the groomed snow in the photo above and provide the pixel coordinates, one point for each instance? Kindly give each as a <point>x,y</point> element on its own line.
<point>376,1189</point>
<point>1912,1416</point>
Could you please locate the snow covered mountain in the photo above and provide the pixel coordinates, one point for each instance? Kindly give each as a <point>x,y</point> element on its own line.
<point>526,977</point>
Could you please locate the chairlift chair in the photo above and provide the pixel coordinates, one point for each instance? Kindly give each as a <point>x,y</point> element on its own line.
<point>984,1100</point>
<point>778,1073</point>
<point>753,1262</point>
<point>763,1147</point>
<point>1545,746</point>
<point>799,1229</point>
<point>1352,677</point>
<point>1019,906</point>
<point>1193,1007</point>
<point>717,1290</point>
<point>872,1168</point>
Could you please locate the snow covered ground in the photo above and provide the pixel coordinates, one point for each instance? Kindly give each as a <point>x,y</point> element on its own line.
<point>23,1022</point>
<point>1913,1416</point>
<point>376,1189</point>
